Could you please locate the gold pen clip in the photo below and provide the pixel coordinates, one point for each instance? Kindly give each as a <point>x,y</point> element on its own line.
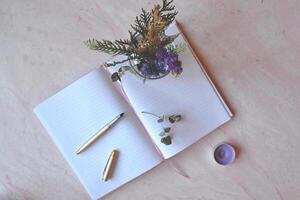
<point>110,165</point>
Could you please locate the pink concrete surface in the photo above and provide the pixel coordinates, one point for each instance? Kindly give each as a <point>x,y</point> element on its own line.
<point>249,48</point>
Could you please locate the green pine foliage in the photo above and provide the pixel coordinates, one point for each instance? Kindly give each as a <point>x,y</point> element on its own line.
<point>141,23</point>
<point>177,48</point>
<point>168,12</point>
<point>128,47</point>
<point>113,48</point>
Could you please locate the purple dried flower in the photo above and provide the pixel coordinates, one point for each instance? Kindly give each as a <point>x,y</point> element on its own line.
<point>174,65</point>
<point>161,54</point>
<point>152,68</point>
<point>160,64</point>
<point>171,58</point>
<point>175,68</point>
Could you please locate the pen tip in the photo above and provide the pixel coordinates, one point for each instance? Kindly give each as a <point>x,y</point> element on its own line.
<point>121,115</point>
<point>78,151</point>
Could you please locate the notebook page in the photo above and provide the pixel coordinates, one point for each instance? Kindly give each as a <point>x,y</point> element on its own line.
<point>191,94</point>
<point>74,114</point>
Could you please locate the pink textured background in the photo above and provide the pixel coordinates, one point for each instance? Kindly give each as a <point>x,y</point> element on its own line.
<point>250,49</point>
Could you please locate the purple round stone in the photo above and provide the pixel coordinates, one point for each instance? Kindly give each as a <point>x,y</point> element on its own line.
<point>224,154</point>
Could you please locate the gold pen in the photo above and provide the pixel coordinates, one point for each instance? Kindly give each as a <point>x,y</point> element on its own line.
<point>99,133</point>
<point>110,165</point>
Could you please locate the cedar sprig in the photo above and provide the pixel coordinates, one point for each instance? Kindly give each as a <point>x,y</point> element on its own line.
<point>129,47</point>
<point>124,42</point>
<point>141,22</point>
<point>167,11</point>
<point>113,48</point>
<point>133,39</point>
<point>167,6</point>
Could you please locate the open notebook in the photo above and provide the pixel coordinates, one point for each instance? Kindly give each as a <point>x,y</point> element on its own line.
<point>81,109</point>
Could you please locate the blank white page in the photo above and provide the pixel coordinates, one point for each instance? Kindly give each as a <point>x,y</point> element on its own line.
<point>74,114</point>
<point>192,95</point>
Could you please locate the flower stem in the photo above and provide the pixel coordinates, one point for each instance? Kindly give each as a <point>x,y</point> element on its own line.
<point>112,64</point>
<point>149,113</point>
